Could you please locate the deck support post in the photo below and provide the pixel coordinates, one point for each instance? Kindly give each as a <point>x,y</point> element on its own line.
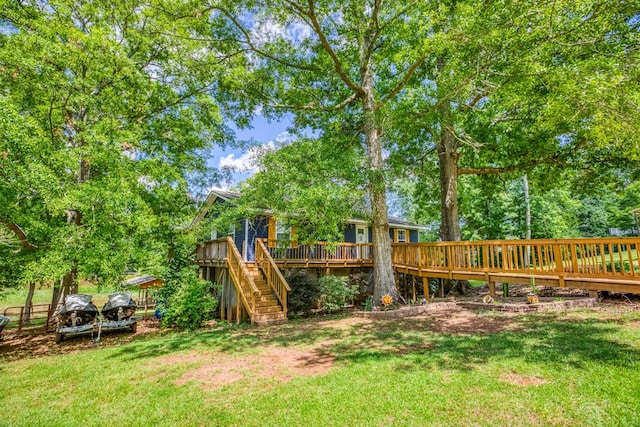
<point>425,288</point>
<point>441,288</point>
<point>492,289</point>
<point>593,294</point>
<point>413,288</point>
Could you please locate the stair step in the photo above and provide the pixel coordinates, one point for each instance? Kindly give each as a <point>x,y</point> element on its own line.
<point>266,298</point>
<point>270,318</point>
<point>268,309</point>
<point>266,302</point>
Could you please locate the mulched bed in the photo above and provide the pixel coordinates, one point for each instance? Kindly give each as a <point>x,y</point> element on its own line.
<point>409,311</point>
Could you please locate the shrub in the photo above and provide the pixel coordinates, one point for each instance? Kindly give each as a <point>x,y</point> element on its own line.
<point>305,291</point>
<point>336,293</point>
<point>190,304</point>
<point>361,284</point>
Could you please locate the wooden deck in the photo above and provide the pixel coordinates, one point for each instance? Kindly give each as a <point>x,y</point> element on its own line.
<point>597,264</point>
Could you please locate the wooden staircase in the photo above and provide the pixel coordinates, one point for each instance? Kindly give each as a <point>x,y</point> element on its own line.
<point>268,309</point>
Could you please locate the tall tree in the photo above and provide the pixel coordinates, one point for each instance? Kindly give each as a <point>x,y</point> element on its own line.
<point>335,66</point>
<point>111,114</point>
<point>522,84</point>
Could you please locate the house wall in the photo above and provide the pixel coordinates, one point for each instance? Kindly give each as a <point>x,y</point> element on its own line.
<point>238,235</point>
<point>258,229</point>
<point>350,233</point>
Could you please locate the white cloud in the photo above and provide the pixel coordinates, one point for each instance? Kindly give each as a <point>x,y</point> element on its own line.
<point>247,162</point>
<point>268,31</point>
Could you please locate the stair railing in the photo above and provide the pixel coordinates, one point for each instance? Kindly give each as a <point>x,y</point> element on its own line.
<point>245,286</point>
<point>275,279</point>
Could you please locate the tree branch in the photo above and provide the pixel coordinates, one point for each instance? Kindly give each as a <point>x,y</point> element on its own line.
<point>502,170</point>
<point>259,51</point>
<point>327,47</point>
<point>314,107</point>
<point>410,72</point>
<point>20,234</point>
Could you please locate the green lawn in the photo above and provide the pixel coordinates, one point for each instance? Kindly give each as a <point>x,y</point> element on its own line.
<point>567,369</point>
<point>42,295</point>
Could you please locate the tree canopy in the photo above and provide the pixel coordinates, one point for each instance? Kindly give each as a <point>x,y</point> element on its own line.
<point>107,116</point>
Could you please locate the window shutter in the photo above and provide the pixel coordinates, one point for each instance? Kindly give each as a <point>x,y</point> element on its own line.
<point>294,237</point>
<point>395,235</point>
<point>271,232</point>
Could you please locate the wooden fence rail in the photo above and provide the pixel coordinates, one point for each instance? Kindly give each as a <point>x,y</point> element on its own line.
<point>320,253</point>
<point>38,321</point>
<point>605,258</point>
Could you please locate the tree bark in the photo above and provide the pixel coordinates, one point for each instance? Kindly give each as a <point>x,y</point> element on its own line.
<point>26,318</point>
<point>527,216</point>
<point>448,162</point>
<point>383,276</point>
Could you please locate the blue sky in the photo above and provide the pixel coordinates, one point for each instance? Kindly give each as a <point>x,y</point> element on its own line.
<point>262,132</point>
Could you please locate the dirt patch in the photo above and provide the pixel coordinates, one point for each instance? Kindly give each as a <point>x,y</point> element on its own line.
<point>28,346</point>
<point>281,364</point>
<point>522,380</point>
<point>466,322</point>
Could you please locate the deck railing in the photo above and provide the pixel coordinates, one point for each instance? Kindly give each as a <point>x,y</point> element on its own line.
<point>212,250</point>
<point>242,279</point>
<point>597,257</point>
<point>281,250</point>
<point>275,279</point>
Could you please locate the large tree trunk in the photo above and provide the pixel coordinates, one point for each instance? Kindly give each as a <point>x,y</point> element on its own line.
<point>450,222</point>
<point>383,277</point>
<point>527,216</point>
<point>69,283</point>
<point>448,162</point>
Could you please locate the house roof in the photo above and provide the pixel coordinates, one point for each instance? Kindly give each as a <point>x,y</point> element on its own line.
<point>228,196</point>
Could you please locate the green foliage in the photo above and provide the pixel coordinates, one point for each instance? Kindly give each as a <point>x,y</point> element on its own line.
<point>305,291</point>
<point>106,119</point>
<point>187,301</point>
<point>191,304</point>
<point>336,292</point>
<point>360,284</point>
<point>314,185</point>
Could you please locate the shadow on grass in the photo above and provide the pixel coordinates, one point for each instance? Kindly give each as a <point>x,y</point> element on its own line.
<point>419,343</point>
<point>544,339</point>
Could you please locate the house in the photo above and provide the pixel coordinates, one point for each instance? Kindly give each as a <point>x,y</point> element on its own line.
<point>277,233</point>
<point>248,262</point>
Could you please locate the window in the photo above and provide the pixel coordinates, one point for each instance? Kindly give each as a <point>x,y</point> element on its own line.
<point>361,234</point>
<point>402,236</point>
<point>283,231</point>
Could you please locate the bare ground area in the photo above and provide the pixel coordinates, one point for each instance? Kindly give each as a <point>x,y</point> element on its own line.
<point>37,345</point>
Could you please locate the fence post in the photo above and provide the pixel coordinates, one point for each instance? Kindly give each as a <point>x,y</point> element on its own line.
<point>557,254</point>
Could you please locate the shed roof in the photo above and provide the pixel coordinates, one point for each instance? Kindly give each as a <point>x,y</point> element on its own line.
<point>143,282</point>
